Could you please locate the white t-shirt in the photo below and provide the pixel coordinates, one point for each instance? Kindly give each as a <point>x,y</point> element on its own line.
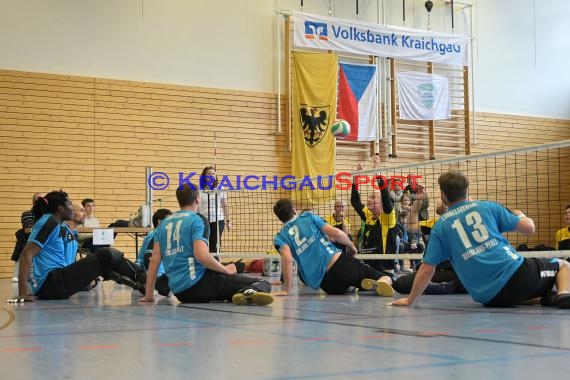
<point>91,222</point>
<point>209,199</point>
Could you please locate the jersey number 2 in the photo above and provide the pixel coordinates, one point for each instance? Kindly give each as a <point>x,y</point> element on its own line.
<point>294,231</point>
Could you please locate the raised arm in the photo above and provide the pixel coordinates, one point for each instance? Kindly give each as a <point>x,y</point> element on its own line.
<point>413,219</point>
<point>226,210</point>
<point>387,203</point>
<point>356,202</point>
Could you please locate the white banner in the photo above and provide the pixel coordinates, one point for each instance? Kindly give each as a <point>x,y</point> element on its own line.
<point>423,96</point>
<point>327,33</point>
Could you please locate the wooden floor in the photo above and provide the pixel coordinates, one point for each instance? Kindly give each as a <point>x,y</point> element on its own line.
<point>106,334</point>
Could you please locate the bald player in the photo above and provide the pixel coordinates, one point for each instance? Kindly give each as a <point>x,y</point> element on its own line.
<point>338,220</point>
<point>70,242</point>
<point>379,218</point>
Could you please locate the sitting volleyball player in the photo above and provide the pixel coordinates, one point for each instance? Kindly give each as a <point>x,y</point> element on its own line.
<point>47,258</point>
<point>145,252</point>
<point>469,235</point>
<point>306,239</point>
<point>444,280</point>
<point>194,275</point>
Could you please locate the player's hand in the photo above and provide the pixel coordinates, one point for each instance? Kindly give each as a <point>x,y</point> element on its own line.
<point>400,302</point>
<point>229,226</point>
<point>23,299</point>
<point>375,161</point>
<point>231,268</point>
<point>381,182</point>
<point>146,299</point>
<point>422,193</point>
<point>280,293</point>
<point>351,250</point>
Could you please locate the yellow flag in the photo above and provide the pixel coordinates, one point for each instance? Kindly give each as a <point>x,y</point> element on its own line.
<point>314,112</point>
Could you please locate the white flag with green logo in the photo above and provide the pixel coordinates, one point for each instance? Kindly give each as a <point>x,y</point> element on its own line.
<point>423,96</point>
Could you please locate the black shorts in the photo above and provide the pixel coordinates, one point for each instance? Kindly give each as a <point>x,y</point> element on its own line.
<point>534,278</point>
<point>348,271</point>
<point>216,286</point>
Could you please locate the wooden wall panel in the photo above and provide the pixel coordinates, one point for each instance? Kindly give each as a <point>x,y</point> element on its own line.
<point>94,137</point>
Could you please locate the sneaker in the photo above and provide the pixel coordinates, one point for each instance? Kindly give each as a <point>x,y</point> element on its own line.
<point>563,301</point>
<point>441,288</point>
<point>250,296</point>
<point>382,288</point>
<point>14,279</point>
<point>352,289</point>
<point>124,280</point>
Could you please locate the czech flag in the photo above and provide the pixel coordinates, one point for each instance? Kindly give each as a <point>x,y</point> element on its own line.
<point>358,100</point>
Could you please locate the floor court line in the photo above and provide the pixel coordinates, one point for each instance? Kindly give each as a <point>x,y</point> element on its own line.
<point>533,310</point>
<point>419,334</point>
<point>383,370</point>
<point>255,329</point>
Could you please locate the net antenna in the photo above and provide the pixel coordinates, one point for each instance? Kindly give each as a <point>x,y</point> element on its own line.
<point>147,211</point>
<point>216,202</point>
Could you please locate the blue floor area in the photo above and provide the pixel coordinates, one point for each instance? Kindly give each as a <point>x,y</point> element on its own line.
<point>106,334</point>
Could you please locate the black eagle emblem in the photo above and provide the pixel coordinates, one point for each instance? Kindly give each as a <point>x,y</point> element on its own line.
<point>314,121</point>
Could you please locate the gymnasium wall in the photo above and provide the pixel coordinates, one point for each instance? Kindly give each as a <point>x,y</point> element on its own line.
<point>519,55</point>
<point>94,137</point>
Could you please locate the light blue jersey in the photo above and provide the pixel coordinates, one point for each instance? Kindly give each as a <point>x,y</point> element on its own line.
<point>147,247</point>
<point>176,236</point>
<point>311,248</point>
<point>47,234</point>
<point>70,243</point>
<point>469,234</point>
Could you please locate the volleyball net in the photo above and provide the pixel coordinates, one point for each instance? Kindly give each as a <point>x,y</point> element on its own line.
<point>533,179</point>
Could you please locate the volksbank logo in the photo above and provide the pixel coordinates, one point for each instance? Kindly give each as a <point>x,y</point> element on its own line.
<point>317,30</point>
